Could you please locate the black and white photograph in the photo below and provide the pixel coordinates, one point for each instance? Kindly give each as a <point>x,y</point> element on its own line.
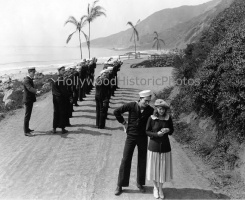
<point>122,99</point>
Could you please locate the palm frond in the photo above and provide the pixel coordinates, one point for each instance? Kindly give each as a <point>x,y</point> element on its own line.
<point>98,8</point>
<point>95,12</point>
<point>83,21</point>
<point>69,37</point>
<point>72,20</point>
<point>130,24</point>
<point>94,3</point>
<point>98,14</point>
<point>85,35</point>
<point>161,40</point>
<point>154,44</point>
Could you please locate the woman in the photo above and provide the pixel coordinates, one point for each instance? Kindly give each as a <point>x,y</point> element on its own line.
<point>159,157</point>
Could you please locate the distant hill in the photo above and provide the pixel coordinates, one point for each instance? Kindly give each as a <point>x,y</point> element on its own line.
<point>176,26</point>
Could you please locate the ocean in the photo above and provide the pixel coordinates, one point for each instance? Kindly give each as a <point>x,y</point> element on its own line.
<point>25,56</point>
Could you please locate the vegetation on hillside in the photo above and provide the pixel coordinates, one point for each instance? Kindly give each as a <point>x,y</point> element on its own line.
<point>217,61</point>
<point>164,60</point>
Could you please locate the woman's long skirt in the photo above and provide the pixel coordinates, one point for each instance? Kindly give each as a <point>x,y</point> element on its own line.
<point>159,167</point>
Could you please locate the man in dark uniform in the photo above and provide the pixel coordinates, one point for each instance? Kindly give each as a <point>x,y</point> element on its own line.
<point>139,112</point>
<point>93,69</point>
<point>60,98</point>
<point>75,85</point>
<point>28,99</point>
<point>68,80</point>
<point>83,80</point>
<point>101,98</point>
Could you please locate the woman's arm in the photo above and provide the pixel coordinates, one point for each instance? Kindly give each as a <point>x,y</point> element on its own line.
<point>149,131</point>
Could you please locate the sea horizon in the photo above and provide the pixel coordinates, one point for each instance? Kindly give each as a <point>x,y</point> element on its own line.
<point>20,57</point>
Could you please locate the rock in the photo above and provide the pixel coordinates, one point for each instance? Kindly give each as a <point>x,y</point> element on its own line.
<point>7,94</point>
<point>16,95</point>
<point>9,103</point>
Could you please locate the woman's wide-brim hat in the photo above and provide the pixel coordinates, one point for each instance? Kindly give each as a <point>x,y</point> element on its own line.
<point>161,103</point>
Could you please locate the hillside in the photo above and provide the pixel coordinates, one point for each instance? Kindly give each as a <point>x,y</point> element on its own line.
<point>187,32</point>
<point>212,111</point>
<point>185,21</point>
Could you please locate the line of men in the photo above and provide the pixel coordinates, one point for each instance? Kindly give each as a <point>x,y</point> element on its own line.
<point>105,86</point>
<point>72,85</point>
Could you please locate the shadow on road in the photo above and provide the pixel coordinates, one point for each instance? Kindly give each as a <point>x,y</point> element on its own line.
<point>89,105</point>
<point>89,132</point>
<point>89,111</point>
<point>127,89</point>
<point>184,193</point>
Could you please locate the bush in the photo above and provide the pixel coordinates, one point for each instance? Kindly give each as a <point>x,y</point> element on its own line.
<point>183,102</point>
<point>183,133</point>
<point>165,93</point>
<point>165,60</point>
<point>217,61</point>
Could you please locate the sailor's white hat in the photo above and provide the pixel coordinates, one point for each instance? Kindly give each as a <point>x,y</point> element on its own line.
<point>145,93</point>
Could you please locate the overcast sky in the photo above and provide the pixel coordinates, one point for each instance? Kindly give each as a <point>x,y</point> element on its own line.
<point>41,22</point>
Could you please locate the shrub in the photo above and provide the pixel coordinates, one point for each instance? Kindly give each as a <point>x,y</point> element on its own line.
<point>183,133</point>
<point>164,94</point>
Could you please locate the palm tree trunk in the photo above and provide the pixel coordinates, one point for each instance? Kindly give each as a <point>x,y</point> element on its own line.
<point>89,40</point>
<point>80,45</point>
<point>134,45</point>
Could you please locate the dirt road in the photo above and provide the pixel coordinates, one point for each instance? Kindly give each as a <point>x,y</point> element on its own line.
<point>84,163</point>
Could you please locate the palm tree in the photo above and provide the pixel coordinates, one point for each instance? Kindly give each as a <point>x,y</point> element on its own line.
<point>79,25</point>
<point>157,41</point>
<point>93,12</point>
<point>135,33</point>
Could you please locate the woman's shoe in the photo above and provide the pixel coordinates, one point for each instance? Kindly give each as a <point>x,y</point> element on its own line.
<point>155,193</point>
<point>161,195</point>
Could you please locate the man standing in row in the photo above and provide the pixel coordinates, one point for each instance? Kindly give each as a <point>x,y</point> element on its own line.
<point>101,98</point>
<point>29,98</point>
<point>139,112</point>
<point>60,98</point>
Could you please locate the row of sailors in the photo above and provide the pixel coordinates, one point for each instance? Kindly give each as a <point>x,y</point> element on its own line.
<point>74,83</point>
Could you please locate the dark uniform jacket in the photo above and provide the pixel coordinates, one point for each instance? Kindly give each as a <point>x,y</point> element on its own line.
<point>136,120</point>
<point>159,144</point>
<point>59,88</point>
<point>101,90</point>
<point>29,90</point>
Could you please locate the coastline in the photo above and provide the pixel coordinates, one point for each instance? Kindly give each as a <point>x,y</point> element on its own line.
<point>20,72</point>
